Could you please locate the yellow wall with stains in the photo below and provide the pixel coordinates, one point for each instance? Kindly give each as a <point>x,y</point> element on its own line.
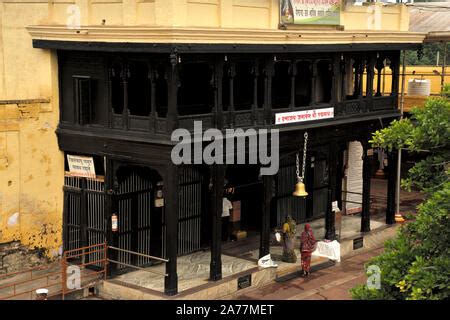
<point>31,165</point>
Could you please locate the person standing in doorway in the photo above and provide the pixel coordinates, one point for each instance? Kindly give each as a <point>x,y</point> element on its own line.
<point>227,206</point>
<point>307,246</point>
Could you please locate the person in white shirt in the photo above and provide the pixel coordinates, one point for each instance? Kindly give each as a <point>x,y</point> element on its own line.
<point>226,224</point>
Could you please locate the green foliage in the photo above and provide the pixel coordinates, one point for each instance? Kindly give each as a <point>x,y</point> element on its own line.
<point>416,263</point>
<point>428,55</point>
<point>427,132</point>
<point>446,91</point>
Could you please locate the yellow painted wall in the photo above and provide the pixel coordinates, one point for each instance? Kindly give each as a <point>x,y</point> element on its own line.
<point>254,14</point>
<point>31,165</point>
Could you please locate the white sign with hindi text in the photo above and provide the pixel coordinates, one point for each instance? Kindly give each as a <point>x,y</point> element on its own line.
<point>80,166</point>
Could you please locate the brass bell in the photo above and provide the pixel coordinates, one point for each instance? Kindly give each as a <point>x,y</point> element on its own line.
<point>300,190</point>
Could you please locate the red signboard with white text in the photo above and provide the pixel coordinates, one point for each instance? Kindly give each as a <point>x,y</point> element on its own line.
<point>304,115</point>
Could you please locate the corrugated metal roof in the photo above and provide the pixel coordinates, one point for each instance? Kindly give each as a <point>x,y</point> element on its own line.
<point>429,16</point>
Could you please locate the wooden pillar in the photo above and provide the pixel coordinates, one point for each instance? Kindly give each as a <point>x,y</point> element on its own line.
<point>293,76</point>
<point>335,80</point>
<point>365,214</point>
<point>268,190</point>
<point>125,111</point>
<point>231,104</point>
<point>110,108</point>
<point>152,116</point>
<point>217,176</point>
<point>313,82</point>
<point>330,229</point>
<point>110,208</point>
<point>171,218</point>
<point>255,92</point>
<point>379,66</point>
<point>269,70</point>
<point>395,67</point>
<point>343,79</point>
<point>172,99</point>
<point>219,93</point>
<point>370,76</point>
<point>391,187</point>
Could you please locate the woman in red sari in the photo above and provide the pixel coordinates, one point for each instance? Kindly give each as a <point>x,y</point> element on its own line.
<point>307,246</point>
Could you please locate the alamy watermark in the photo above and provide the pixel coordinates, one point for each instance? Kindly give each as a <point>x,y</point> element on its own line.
<point>237,146</point>
<point>73,280</point>
<point>374,277</point>
<point>74,17</point>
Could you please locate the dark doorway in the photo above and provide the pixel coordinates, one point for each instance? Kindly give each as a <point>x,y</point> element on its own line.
<point>244,187</point>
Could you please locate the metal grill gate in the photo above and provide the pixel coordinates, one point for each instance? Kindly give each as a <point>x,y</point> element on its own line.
<point>191,204</point>
<point>134,198</point>
<point>84,214</point>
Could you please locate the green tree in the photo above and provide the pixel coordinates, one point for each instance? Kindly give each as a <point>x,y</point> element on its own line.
<point>428,55</point>
<point>428,132</point>
<point>416,263</point>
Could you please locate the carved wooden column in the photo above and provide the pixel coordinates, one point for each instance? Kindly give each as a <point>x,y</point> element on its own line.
<point>313,82</point>
<point>255,92</point>
<point>231,114</point>
<point>370,76</point>
<point>171,218</point>
<point>152,115</point>
<point>172,99</point>
<point>268,94</point>
<point>219,93</point>
<point>110,107</point>
<point>365,214</point>
<point>343,89</point>
<point>369,81</point>
<point>335,80</point>
<point>268,192</point>
<point>217,176</point>
<point>293,76</point>
<point>109,193</point>
<point>395,67</point>
<point>391,187</point>
<point>112,187</point>
<point>125,112</point>
<point>379,66</point>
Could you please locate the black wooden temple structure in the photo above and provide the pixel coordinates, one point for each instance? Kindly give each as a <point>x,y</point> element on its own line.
<point>120,102</point>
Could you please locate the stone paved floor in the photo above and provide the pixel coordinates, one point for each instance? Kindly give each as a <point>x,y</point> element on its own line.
<point>327,284</point>
<point>193,271</point>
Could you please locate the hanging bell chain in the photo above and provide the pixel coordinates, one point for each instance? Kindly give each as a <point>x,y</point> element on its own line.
<point>304,155</point>
<point>302,177</point>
